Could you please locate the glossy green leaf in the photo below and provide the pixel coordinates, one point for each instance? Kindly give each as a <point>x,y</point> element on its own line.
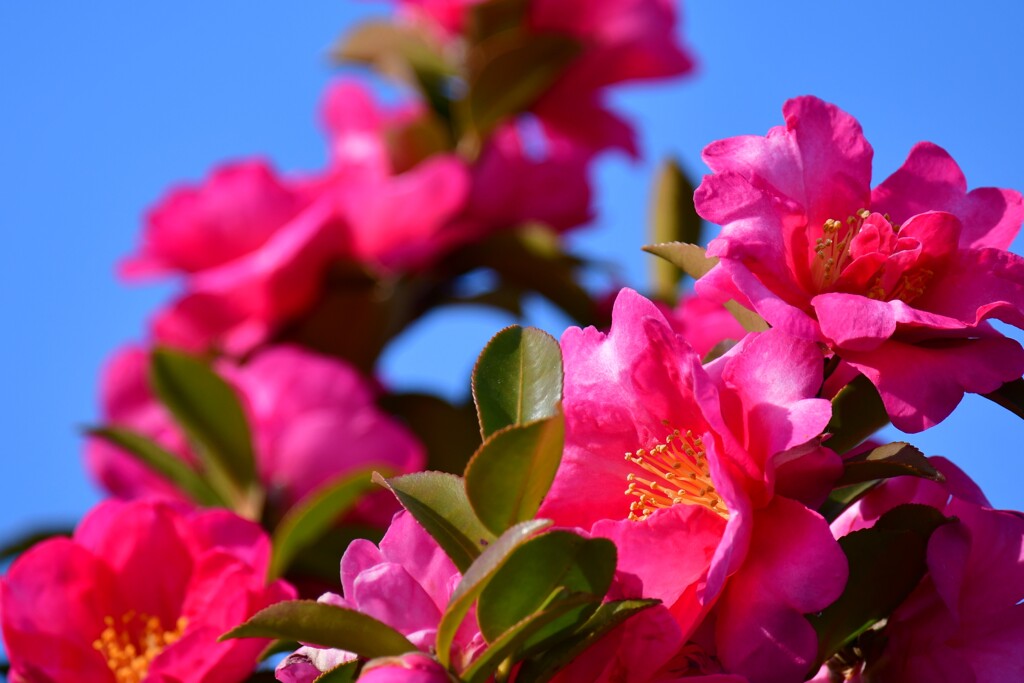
<point>886,563</point>
<point>512,471</point>
<point>475,579</point>
<point>857,413</point>
<point>313,516</point>
<point>209,411</point>
<point>609,615</point>
<point>516,637</point>
<point>517,379</point>
<point>324,625</point>
<point>346,673</point>
<point>509,71</point>
<point>673,219</point>
<point>534,570</point>
<point>1010,396</point>
<point>438,502</point>
<point>891,460</point>
<point>166,464</point>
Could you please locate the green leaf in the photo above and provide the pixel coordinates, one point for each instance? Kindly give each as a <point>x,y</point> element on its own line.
<point>475,579</point>
<point>512,471</point>
<point>857,413</point>
<point>750,320</point>
<point>166,464</point>
<point>886,562</point>
<point>690,258</point>
<point>438,502</point>
<point>312,517</point>
<point>534,570</point>
<point>1010,396</point>
<point>346,673</point>
<point>673,219</point>
<point>891,460</point>
<point>324,625</point>
<point>209,411</point>
<point>448,432</point>
<point>609,615</point>
<point>509,71</point>
<point>517,379</point>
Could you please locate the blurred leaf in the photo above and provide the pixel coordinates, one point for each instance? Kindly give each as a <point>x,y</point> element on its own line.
<point>857,413</point>
<point>166,464</point>
<point>507,644</point>
<point>26,539</point>
<point>886,562</point>
<point>517,379</point>
<point>324,625</point>
<point>531,259</point>
<point>608,616</point>
<point>512,471</point>
<point>673,219</point>
<point>690,258</point>
<point>209,411</point>
<point>448,432</point>
<point>346,673</point>
<point>495,16</point>
<point>315,569</point>
<point>891,460</point>
<point>1010,396</point>
<point>313,516</point>
<point>403,52</point>
<point>474,580</point>
<point>534,570</point>
<point>438,502</point>
<point>718,350</point>
<point>509,71</point>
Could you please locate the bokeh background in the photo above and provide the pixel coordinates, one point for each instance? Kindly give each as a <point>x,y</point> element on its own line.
<point>104,105</point>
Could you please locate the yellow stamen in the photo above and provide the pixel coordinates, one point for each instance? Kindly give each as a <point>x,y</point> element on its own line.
<point>130,644</point>
<point>670,473</point>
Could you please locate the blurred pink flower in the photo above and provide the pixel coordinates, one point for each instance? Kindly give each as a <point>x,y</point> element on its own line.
<point>406,583</point>
<point>703,323</point>
<point>965,620</point>
<point>313,419</point>
<point>140,593</point>
<point>696,472</point>
<point>256,247</point>
<point>898,281</point>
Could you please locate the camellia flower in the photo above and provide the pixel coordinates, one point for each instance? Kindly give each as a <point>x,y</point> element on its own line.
<point>898,281</point>
<point>965,621</point>
<point>406,583</point>
<point>698,473</point>
<point>410,668</point>
<point>141,592</point>
<point>313,420</point>
<point>620,41</point>
<point>256,247</point>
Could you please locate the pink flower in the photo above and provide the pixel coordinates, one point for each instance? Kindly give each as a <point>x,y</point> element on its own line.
<point>620,41</point>
<point>140,593</point>
<point>410,668</point>
<point>898,281</point>
<point>313,419</point>
<point>965,621</point>
<point>406,583</point>
<point>703,323</point>
<point>256,247</point>
<point>696,474</point>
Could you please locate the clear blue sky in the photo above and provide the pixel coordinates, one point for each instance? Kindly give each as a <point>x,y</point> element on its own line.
<point>104,104</point>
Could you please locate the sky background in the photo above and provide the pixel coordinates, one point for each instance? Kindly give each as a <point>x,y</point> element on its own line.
<point>104,105</point>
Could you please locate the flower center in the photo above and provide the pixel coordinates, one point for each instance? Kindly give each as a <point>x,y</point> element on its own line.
<point>833,249</point>
<point>672,472</point>
<point>130,645</point>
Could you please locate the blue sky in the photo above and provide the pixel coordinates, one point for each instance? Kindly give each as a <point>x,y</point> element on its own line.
<point>106,104</point>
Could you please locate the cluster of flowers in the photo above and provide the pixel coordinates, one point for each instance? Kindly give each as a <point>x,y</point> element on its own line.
<point>718,510</point>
